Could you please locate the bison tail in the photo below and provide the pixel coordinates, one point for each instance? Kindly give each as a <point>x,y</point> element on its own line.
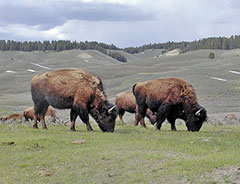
<point>133,88</point>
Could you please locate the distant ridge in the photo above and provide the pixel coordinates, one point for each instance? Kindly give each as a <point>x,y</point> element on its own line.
<point>222,43</point>
<point>61,45</point>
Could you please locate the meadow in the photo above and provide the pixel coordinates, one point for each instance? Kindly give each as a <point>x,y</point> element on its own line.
<point>129,155</point>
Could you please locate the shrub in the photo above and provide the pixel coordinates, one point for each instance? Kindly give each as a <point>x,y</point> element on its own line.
<point>211,55</point>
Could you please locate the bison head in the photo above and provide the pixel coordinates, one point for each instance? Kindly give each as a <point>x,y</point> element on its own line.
<point>195,119</point>
<point>3,118</point>
<point>106,117</point>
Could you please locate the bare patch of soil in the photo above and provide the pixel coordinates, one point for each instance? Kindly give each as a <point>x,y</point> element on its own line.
<point>174,52</point>
<point>180,180</point>
<point>223,175</point>
<point>44,172</point>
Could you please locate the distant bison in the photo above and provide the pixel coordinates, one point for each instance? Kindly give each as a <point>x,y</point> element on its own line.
<point>170,98</point>
<point>125,101</point>
<point>29,114</point>
<point>74,89</point>
<point>14,116</point>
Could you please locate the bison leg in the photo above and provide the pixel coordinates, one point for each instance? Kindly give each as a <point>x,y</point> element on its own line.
<point>35,122</point>
<point>141,114</point>
<point>40,110</point>
<point>85,118</point>
<point>121,113</point>
<point>57,120</point>
<point>136,119</point>
<point>151,116</point>
<point>142,122</point>
<point>172,122</point>
<point>53,119</point>
<point>136,116</point>
<point>162,113</point>
<point>42,117</point>
<point>26,119</point>
<point>73,117</point>
<point>42,120</point>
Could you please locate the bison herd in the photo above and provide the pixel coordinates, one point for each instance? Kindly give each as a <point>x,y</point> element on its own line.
<point>28,114</point>
<point>83,93</point>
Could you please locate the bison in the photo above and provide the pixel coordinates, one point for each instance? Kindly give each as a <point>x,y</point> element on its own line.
<point>170,98</point>
<point>14,116</point>
<point>74,89</point>
<point>29,114</point>
<point>125,101</point>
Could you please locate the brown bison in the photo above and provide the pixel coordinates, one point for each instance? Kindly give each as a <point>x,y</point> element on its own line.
<point>29,114</point>
<point>14,116</point>
<point>170,98</point>
<point>74,89</point>
<point>125,101</point>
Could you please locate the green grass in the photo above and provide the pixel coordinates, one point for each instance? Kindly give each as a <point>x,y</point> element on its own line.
<point>129,155</point>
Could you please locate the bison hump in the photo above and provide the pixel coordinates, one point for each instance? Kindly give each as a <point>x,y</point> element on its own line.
<point>167,90</point>
<point>70,78</point>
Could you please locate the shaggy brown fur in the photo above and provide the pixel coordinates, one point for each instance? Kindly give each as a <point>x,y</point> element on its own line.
<point>14,116</point>
<point>29,114</point>
<point>125,101</point>
<point>74,89</point>
<point>170,98</point>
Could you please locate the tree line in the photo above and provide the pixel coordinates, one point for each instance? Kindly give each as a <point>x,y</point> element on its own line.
<point>61,45</point>
<point>223,43</point>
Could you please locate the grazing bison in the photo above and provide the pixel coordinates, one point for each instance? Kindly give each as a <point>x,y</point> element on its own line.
<point>14,116</point>
<point>29,114</point>
<point>74,89</point>
<point>125,101</point>
<point>170,98</point>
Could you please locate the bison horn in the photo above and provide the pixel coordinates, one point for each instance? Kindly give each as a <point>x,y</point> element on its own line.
<point>198,113</point>
<point>110,110</point>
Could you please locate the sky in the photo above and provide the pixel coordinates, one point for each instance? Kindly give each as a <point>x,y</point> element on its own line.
<point>123,23</point>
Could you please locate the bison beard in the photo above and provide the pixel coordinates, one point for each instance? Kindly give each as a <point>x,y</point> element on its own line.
<point>170,98</point>
<point>74,89</point>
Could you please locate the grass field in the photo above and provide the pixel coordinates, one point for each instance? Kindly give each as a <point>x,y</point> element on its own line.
<point>129,155</point>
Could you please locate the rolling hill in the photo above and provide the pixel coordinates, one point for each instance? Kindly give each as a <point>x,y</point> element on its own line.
<point>216,81</point>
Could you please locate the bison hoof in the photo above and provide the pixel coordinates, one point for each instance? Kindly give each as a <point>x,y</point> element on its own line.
<point>73,129</point>
<point>144,126</point>
<point>35,126</point>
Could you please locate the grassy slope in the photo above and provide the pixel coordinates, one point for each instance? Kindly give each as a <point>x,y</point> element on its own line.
<point>195,67</point>
<point>129,155</point>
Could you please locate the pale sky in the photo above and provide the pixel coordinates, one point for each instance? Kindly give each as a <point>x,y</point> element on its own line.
<point>120,22</point>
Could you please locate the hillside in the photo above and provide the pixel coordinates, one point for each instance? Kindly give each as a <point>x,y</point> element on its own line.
<point>216,81</point>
